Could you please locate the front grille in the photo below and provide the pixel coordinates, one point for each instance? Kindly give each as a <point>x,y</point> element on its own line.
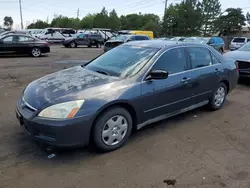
<point>244,65</point>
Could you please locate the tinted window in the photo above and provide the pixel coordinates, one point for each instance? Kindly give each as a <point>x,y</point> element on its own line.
<point>200,57</point>
<point>214,59</point>
<point>141,38</point>
<point>248,40</point>
<point>8,39</point>
<point>25,39</point>
<point>132,38</point>
<point>241,40</point>
<point>173,61</point>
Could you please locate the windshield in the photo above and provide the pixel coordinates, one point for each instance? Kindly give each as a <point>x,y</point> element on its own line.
<point>245,47</point>
<point>121,37</point>
<point>122,61</point>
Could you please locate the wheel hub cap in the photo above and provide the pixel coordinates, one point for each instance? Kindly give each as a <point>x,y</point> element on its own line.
<point>219,96</point>
<point>114,130</point>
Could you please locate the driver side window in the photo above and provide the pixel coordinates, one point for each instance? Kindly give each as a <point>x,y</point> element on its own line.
<point>173,61</point>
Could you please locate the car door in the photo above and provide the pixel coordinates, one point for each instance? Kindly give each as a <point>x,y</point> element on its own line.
<point>172,94</point>
<point>23,44</point>
<point>6,45</point>
<point>205,73</point>
<point>80,39</point>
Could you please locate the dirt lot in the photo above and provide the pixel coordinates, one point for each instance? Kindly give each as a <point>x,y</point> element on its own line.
<point>199,149</point>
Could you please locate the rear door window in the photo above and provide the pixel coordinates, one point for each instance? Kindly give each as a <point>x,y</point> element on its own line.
<point>8,39</point>
<point>200,57</point>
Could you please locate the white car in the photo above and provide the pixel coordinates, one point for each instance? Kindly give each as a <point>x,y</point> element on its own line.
<point>238,42</point>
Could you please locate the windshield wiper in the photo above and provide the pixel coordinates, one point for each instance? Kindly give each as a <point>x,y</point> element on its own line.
<point>102,72</point>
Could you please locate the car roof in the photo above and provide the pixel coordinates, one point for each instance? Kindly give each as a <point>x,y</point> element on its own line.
<point>16,34</point>
<point>161,44</point>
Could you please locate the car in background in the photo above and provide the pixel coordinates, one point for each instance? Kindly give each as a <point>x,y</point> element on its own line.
<point>25,32</point>
<point>150,34</point>
<point>238,42</point>
<point>125,89</point>
<point>177,39</point>
<point>242,56</point>
<point>120,39</point>
<point>216,42</point>
<point>23,44</point>
<point>84,39</point>
<point>163,38</point>
<point>197,40</point>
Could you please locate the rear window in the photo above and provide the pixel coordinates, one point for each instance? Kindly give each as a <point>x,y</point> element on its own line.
<point>241,40</point>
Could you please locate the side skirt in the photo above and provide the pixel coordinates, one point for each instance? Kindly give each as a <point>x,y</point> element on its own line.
<point>159,118</point>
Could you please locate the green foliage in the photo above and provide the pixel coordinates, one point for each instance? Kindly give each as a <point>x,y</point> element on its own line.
<point>231,21</point>
<point>88,21</point>
<point>211,9</point>
<point>8,21</point>
<point>183,19</point>
<point>39,24</point>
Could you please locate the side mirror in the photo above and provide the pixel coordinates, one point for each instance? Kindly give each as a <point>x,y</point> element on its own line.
<point>157,75</point>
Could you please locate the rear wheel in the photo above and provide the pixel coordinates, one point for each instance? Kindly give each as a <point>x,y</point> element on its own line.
<point>218,98</point>
<point>36,52</point>
<point>112,129</point>
<point>73,45</point>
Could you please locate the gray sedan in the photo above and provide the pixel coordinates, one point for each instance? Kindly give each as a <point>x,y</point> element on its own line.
<point>242,56</point>
<point>125,89</point>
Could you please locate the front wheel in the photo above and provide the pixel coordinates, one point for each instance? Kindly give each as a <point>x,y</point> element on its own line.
<point>218,98</point>
<point>36,52</point>
<point>73,45</point>
<point>112,129</point>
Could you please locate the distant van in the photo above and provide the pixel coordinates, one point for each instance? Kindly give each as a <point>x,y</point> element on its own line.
<point>150,34</point>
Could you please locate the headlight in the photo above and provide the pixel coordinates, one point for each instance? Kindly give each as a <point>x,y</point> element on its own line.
<point>65,110</point>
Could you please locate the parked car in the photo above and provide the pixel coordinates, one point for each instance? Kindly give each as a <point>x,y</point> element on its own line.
<point>242,56</point>
<point>193,39</point>
<point>150,34</point>
<point>237,42</point>
<point>127,88</point>
<point>84,39</point>
<point>178,39</point>
<point>216,42</point>
<point>120,39</point>
<point>23,44</point>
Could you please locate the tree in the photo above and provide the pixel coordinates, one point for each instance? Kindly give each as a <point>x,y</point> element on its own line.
<point>101,19</point>
<point>39,24</point>
<point>114,20</point>
<point>211,9</point>
<point>183,19</point>
<point>88,21</point>
<point>248,18</point>
<point>63,21</point>
<point>8,22</point>
<point>231,21</point>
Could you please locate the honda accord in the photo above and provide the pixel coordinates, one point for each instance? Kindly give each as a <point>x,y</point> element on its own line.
<point>125,89</point>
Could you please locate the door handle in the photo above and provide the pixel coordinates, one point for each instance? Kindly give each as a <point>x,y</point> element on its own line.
<point>185,79</point>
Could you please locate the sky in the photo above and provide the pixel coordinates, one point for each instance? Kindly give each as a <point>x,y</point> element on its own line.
<point>47,9</point>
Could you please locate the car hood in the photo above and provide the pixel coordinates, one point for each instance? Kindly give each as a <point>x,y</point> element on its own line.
<point>66,85</point>
<point>238,55</point>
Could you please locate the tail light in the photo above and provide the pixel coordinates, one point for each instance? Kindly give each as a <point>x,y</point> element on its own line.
<point>46,44</point>
<point>237,66</point>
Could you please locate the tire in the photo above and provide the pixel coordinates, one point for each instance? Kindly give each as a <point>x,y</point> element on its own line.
<point>36,52</point>
<point>219,97</point>
<point>111,136</point>
<point>89,46</point>
<point>73,45</point>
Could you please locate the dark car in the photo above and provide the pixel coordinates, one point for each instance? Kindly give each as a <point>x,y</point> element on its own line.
<point>84,39</point>
<point>23,44</point>
<point>120,39</point>
<point>128,87</point>
<point>216,42</point>
<point>242,56</point>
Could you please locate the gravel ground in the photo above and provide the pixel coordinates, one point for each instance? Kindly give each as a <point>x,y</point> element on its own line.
<point>199,149</point>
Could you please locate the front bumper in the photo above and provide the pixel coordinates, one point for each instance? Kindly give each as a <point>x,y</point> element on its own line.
<point>60,133</point>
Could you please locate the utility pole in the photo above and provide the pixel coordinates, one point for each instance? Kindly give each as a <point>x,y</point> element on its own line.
<point>21,13</point>
<point>78,12</point>
<point>166,6</point>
